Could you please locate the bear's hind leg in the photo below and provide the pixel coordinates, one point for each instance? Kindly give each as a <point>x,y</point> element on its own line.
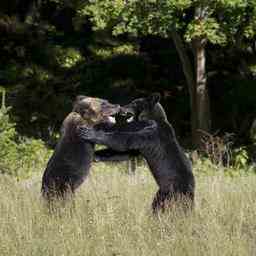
<point>170,200</point>
<point>161,201</point>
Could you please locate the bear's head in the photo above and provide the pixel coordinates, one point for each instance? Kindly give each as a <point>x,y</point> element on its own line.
<point>94,110</point>
<point>142,108</point>
<point>87,111</point>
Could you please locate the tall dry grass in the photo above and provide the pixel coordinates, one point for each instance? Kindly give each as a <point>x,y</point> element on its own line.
<point>112,216</point>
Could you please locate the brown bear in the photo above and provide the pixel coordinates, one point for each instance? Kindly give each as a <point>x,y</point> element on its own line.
<point>70,163</point>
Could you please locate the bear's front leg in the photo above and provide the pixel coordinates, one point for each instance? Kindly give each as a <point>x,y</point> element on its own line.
<point>87,133</point>
<point>135,135</point>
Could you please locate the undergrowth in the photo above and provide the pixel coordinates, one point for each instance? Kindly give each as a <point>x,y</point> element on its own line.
<point>20,156</point>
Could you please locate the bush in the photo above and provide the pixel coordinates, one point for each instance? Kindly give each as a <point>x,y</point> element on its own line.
<point>19,156</point>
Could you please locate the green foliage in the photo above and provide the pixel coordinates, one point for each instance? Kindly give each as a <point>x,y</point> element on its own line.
<point>19,157</point>
<point>237,19</point>
<point>208,28</point>
<point>66,57</point>
<point>220,156</point>
<point>220,23</point>
<point>239,168</point>
<point>135,17</point>
<point>110,52</point>
<point>8,145</point>
<point>241,157</point>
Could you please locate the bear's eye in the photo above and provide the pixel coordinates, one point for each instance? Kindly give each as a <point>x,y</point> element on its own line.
<point>104,104</point>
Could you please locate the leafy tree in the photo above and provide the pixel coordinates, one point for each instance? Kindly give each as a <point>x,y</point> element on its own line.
<point>192,24</point>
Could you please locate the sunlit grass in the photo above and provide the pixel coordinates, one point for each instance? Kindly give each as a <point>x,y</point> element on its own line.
<point>112,216</point>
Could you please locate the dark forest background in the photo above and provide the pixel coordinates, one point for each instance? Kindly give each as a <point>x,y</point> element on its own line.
<point>51,51</point>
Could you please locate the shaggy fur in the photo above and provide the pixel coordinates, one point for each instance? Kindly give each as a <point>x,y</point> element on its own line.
<point>156,141</point>
<point>70,163</point>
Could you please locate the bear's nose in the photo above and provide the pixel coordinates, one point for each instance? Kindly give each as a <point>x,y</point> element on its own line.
<point>111,110</point>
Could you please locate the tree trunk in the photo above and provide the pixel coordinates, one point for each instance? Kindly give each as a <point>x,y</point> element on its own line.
<point>197,85</point>
<point>202,97</point>
<point>196,79</point>
<point>189,75</point>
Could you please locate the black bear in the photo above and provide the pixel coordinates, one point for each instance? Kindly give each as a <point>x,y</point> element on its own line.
<point>70,163</point>
<point>156,141</point>
<point>153,112</point>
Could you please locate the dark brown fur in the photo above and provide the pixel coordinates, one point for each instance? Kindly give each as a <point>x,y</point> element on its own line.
<point>70,163</point>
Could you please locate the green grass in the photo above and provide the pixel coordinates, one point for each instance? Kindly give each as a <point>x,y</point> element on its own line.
<point>112,216</point>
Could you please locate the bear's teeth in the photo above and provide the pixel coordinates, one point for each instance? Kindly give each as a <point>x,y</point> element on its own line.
<point>111,119</point>
<point>129,120</point>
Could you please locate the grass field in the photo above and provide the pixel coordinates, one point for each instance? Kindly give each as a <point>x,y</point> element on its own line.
<point>112,216</point>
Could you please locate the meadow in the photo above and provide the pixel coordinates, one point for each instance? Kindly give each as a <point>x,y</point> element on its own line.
<point>111,216</point>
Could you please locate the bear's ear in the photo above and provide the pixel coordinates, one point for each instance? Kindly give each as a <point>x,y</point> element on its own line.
<point>80,97</point>
<point>154,98</point>
<point>77,103</point>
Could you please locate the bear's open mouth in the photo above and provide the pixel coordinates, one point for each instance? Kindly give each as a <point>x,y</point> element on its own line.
<point>121,117</point>
<point>124,116</point>
<point>111,119</point>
